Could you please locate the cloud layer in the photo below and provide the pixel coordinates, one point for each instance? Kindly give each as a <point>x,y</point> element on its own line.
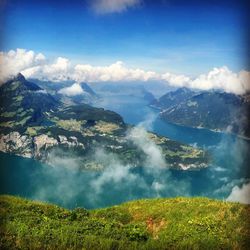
<point>116,183</point>
<point>155,158</point>
<point>112,6</point>
<point>18,60</point>
<point>73,90</point>
<point>35,65</point>
<point>241,195</point>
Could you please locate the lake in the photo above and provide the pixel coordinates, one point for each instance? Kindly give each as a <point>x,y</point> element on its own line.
<point>69,188</point>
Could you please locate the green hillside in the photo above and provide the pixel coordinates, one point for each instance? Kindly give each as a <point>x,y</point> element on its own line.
<point>205,110</point>
<point>178,223</point>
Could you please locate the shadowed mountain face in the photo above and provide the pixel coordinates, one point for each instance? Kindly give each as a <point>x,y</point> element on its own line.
<point>212,110</point>
<point>88,89</point>
<point>172,98</point>
<point>23,102</point>
<point>34,124</point>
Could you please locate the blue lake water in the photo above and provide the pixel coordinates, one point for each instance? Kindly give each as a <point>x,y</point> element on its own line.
<point>69,188</point>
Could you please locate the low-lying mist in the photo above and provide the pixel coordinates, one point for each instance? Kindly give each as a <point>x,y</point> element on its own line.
<point>60,181</point>
<point>64,183</point>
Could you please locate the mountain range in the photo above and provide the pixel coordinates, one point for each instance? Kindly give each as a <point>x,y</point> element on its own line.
<point>35,124</point>
<point>213,110</point>
<point>132,90</point>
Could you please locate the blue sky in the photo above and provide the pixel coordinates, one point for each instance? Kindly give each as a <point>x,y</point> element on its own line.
<point>154,35</point>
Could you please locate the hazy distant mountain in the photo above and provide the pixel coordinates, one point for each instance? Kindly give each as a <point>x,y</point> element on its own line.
<point>34,124</point>
<point>172,98</point>
<point>88,95</point>
<point>212,110</point>
<point>136,90</point>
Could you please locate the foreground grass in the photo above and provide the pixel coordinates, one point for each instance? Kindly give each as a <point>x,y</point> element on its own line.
<point>179,223</point>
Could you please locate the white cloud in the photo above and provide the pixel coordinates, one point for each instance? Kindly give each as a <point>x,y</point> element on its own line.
<point>176,80</point>
<point>218,78</point>
<point>73,90</point>
<point>117,180</point>
<point>35,65</point>
<point>223,78</point>
<point>60,70</point>
<point>154,156</point>
<point>63,70</point>
<point>14,61</point>
<point>241,195</point>
<point>114,72</point>
<point>244,77</point>
<point>113,6</point>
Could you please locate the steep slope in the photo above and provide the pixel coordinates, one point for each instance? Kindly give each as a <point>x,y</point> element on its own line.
<point>23,103</point>
<point>177,223</point>
<point>212,110</point>
<point>172,98</point>
<point>34,124</point>
<point>88,89</point>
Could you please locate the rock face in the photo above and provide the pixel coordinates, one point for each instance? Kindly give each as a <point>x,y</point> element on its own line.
<point>17,144</point>
<point>43,141</point>
<point>35,147</point>
<point>70,142</point>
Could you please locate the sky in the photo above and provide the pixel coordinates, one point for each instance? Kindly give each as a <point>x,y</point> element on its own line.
<point>154,35</point>
<point>181,37</point>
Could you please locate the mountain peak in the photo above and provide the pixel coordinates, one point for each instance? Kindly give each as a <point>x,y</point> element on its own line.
<point>20,83</point>
<point>19,77</point>
<point>183,90</point>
